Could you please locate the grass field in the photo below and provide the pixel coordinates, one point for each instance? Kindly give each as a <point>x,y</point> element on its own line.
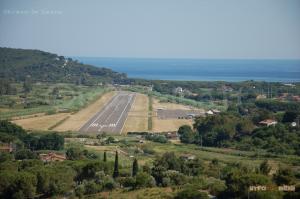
<point>67,121</point>
<point>148,193</point>
<point>137,119</point>
<point>41,122</point>
<point>207,154</point>
<point>169,124</point>
<point>47,98</point>
<point>179,100</point>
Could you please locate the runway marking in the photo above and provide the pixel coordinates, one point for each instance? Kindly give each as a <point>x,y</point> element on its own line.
<point>113,116</point>
<point>129,101</point>
<point>127,115</point>
<point>112,112</point>
<point>115,97</point>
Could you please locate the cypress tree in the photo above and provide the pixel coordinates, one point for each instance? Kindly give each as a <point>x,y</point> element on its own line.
<point>104,156</point>
<point>116,168</point>
<point>135,167</point>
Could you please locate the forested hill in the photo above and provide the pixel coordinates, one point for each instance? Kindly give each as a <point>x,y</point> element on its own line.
<point>36,65</point>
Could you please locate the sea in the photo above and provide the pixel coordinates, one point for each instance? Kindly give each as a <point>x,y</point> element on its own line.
<point>231,70</point>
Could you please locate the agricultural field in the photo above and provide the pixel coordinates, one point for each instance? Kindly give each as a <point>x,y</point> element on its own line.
<point>44,122</point>
<point>129,147</point>
<point>48,99</point>
<point>49,110</point>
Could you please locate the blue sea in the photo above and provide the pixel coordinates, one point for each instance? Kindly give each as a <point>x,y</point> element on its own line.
<point>201,69</point>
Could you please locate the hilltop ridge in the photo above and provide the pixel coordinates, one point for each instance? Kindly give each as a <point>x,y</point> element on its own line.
<point>20,64</point>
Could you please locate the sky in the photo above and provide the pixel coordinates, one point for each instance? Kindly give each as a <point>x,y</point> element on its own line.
<point>205,29</point>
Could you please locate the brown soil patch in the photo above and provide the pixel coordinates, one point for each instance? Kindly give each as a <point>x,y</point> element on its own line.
<point>169,124</point>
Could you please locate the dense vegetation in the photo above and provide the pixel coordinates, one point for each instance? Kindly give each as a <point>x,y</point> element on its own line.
<point>20,65</point>
<point>232,130</point>
<point>85,173</point>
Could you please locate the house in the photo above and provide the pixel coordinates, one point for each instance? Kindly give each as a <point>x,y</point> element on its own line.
<point>226,88</point>
<point>188,156</point>
<point>262,96</point>
<point>52,157</point>
<point>177,90</point>
<point>216,111</point>
<point>268,122</point>
<point>210,112</point>
<point>6,147</point>
<point>172,135</point>
<point>296,98</point>
<point>290,85</point>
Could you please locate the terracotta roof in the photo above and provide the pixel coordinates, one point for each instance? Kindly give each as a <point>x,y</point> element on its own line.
<point>52,157</point>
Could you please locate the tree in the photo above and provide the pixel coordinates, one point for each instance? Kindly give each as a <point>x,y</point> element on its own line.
<point>290,116</point>
<point>135,167</point>
<point>51,141</point>
<point>74,153</point>
<point>110,140</point>
<point>17,185</point>
<point>186,134</point>
<point>104,156</point>
<point>284,176</point>
<point>27,86</point>
<point>25,154</point>
<point>265,168</point>
<point>91,187</point>
<point>116,166</point>
<point>144,180</point>
<point>55,92</point>
<point>238,183</point>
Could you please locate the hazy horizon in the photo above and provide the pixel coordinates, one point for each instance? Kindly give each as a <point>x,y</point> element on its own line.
<point>215,29</point>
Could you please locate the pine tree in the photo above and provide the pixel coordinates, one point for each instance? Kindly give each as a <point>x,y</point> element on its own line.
<point>116,168</point>
<point>135,167</point>
<point>104,156</point>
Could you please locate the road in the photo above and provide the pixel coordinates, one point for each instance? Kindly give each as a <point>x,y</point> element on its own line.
<point>112,117</point>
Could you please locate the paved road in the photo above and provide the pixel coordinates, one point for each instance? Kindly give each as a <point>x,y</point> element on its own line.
<point>112,117</point>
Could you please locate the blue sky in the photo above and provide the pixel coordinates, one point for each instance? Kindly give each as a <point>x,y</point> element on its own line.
<point>154,28</point>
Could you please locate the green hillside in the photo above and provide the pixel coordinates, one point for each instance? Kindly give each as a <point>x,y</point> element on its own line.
<point>19,65</point>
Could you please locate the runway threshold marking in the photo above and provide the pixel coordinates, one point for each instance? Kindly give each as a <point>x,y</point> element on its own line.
<point>106,106</point>
<point>111,113</point>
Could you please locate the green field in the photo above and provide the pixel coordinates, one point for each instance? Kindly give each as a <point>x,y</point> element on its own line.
<point>48,99</point>
<point>220,105</point>
<point>131,145</point>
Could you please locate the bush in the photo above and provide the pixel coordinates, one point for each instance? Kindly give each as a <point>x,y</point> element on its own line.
<point>156,138</point>
<point>144,180</point>
<point>191,192</point>
<point>25,154</point>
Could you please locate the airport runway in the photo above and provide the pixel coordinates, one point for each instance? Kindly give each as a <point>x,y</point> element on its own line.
<point>113,115</point>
